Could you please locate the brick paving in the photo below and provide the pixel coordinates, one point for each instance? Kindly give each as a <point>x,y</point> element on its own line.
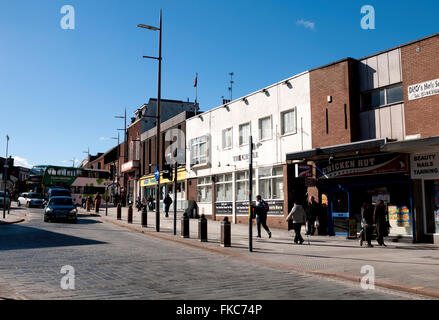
<point>116,263</point>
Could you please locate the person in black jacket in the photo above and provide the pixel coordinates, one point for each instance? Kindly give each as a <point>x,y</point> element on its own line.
<point>312,214</point>
<point>367,221</point>
<point>167,201</point>
<point>261,216</point>
<point>381,219</point>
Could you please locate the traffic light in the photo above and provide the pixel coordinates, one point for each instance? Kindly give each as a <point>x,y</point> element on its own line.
<point>10,163</point>
<point>167,172</point>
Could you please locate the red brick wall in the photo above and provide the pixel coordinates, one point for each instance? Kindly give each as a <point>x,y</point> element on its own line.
<point>333,80</point>
<point>421,115</point>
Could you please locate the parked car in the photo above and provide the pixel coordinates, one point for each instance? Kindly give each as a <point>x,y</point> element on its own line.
<point>61,208</point>
<point>34,199</point>
<point>2,199</point>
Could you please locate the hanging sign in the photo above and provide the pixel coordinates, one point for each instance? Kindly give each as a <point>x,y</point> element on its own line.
<point>425,166</point>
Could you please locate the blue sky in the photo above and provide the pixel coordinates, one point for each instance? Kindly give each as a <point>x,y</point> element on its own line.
<point>59,89</point>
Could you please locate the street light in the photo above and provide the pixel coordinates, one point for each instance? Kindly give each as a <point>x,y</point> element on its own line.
<point>125,144</point>
<point>159,58</point>
<point>5,173</point>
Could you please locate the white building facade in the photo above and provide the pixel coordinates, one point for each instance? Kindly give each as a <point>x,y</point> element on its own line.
<point>278,118</point>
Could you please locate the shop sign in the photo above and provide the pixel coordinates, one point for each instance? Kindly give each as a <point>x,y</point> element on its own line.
<point>364,165</point>
<point>223,208</point>
<point>151,181</point>
<point>276,207</point>
<point>424,89</point>
<point>425,166</point>
<point>303,171</point>
<point>244,156</point>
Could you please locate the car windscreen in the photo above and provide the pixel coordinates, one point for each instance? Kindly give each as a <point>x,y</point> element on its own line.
<point>56,193</point>
<point>34,196</point>
<point>61,202</point>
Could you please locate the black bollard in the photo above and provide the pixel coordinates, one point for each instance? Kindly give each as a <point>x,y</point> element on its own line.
<point>119,211</point>
<point>144,216</point>
<point>185,226</point>
<point>202,229</point>
<point>130,214</point>
<point>225,233</point>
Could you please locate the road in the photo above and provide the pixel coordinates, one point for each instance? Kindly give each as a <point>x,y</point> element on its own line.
<point>111,262</point>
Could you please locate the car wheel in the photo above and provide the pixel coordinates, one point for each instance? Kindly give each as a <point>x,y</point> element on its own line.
<point>18,204</point>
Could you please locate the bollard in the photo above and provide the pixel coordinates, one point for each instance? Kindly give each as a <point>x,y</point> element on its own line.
<point>119,211</point>
<point>96,207</point>
<point>202,229</point>
<point>185,226</point>
<point>130,214</point>
<point>225,233</point>
<point>144,216</point>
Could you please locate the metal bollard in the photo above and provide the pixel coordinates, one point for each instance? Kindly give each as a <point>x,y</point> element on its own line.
<point>225,233</point>
<point>144,216</point>
<point>202,229</point>
<point>130,214</point>
<point>119,211</point>
<point>185,226</point>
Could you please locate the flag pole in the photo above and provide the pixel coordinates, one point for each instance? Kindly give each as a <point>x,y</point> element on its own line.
<point>196,91</point>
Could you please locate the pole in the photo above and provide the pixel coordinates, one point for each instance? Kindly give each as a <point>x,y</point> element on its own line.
<point>250,190</point>
<point>5,173</point>
<point>157,213</point>
<point>125,157</point>
<point>175,198</point>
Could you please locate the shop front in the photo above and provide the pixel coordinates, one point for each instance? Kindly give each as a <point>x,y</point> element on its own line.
<point>148,186</point>
<point>344,184</point>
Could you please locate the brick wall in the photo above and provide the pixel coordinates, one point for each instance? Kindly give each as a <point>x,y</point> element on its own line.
<point>338,81</point>
<point>421,115</point>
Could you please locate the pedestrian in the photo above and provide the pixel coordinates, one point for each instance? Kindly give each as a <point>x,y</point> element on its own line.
<point>367,224</point>
<point>381,219</point>
<point>89,203</point>
<point>98,199</point>
<point>262,209</point>
<point>150,202</point>
<point>298,216</point>
<point>312,215</point>
<point>167,201</point>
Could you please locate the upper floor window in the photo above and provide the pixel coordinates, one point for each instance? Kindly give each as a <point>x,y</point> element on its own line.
<point>244,134</point>
<point>265,128</point>
<point>288,121</point>
<point>227,138</point>
<point>199,150</point>
<point>381,97</point>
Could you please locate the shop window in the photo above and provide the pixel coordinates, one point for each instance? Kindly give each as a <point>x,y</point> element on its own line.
<point>289,121</point>
<point>224,188</point>
<point>204,187</point>
<point>382,97</point>
<point>242,186</point>
<point>271,183</point>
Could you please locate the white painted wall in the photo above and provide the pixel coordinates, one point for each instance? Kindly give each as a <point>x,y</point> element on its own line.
<point>271,152</point>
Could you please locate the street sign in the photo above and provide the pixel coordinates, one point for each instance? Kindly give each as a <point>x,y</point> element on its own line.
<point>157,173</point>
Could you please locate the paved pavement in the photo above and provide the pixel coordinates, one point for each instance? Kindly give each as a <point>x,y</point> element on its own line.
<point>111,262</point>
<point>400,265</point>
<point>14,215</point>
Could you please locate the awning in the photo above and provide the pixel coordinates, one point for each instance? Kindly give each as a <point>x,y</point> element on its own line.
<point>342,149</point>
<point>130,165</point>
<point>430,144</point>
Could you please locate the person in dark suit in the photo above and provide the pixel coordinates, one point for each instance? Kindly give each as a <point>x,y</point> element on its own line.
<point>261,215</point>
<point>167,201</point>
<point>380,218</point>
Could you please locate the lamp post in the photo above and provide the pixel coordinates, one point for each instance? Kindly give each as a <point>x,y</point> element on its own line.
<point>125,143</point>
<point>5,173</point>
<point>118,161</point>
<point>159,58</point>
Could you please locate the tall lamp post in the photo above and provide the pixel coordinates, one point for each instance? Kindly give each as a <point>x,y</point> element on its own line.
<point>5,173</point>
<point>125,144</point>
<point>118,161</point>
<point>159,58</point>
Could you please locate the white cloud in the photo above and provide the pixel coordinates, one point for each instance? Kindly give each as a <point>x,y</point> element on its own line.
<point>21,162</point>
<point>307,24</point>
<point>102,138</point>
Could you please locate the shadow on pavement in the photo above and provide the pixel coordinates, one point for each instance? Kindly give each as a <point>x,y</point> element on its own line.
<point>15,237</point>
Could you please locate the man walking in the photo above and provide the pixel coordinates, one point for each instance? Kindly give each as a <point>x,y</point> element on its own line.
<point>298,216</point>
<point>261,215</point>
<point>168,202</point>
<point>312,215</point>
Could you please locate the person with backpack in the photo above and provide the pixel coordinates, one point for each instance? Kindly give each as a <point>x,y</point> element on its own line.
<point>262,209</point>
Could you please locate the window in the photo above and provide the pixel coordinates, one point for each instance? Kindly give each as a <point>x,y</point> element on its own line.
<point>242,186</point>
<point>382,97</point>
<point>227,138</point>
<point>61,172</point>
<point>204,187</point>
<point>271,183</point>
<point>137,150</point>
<point>288,121</point>
<point>130,155</point>
<point>244,134</point>
<point>265,131</point>
<point>199,150</point>
<point>224,188</point>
